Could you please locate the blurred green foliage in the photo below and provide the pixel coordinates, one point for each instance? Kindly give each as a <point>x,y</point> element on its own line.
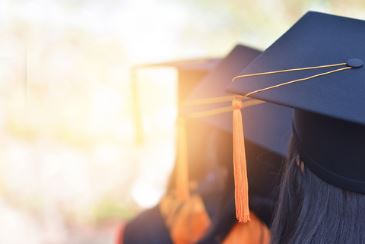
<point>109,209</point>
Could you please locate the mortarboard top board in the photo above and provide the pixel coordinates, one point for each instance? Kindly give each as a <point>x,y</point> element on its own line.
<point>189,71</point>
<point>329,101</point>
<point>184,64</point>
<point>267,125</point>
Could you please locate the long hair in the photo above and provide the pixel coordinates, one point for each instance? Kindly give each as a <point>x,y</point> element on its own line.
<point>312,211</point>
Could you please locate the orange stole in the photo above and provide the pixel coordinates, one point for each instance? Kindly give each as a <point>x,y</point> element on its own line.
<point>187,220</point>
<point>253,232</point>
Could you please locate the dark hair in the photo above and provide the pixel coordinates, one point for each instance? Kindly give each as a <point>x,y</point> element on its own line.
<point>312,211</point>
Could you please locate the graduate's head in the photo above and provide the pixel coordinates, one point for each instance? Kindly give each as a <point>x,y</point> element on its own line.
<point>322,194</point>
<point>317,68</point>
<point>310,210</point>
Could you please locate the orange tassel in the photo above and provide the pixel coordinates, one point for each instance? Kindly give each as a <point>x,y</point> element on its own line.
<point>182,174</point>
<point>255,232</point>
<point>239,164</point>
<point>191,223</point>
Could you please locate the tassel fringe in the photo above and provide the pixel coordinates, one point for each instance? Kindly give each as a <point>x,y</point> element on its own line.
<point>239,164</point>
<point>182,174</point>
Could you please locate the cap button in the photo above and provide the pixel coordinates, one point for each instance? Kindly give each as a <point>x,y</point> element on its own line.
<point>355,63</point>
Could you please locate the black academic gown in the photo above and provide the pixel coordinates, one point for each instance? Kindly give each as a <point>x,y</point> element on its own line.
<point>149,227</point>
<point>264,171</point>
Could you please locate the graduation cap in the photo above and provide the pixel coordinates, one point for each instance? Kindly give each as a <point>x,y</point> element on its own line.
<point>317,68</point>
<point>267,126</point>
<point>189,73</point>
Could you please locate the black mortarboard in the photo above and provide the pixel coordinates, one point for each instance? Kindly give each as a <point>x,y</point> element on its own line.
<point>317,68</point>
<point>267,125</point>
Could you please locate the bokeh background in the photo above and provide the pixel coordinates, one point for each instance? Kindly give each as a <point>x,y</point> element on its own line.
<point>70,167</point>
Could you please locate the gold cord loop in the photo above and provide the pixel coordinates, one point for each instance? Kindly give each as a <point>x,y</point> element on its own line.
<point>217,111</point>
<point>288,70</point>
<point>208,101</point>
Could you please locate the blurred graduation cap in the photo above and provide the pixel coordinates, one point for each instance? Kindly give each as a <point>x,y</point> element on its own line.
<point>267,129</point>
<point>317,68</point>
<point>189,72</point>
<point>267,125</point>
